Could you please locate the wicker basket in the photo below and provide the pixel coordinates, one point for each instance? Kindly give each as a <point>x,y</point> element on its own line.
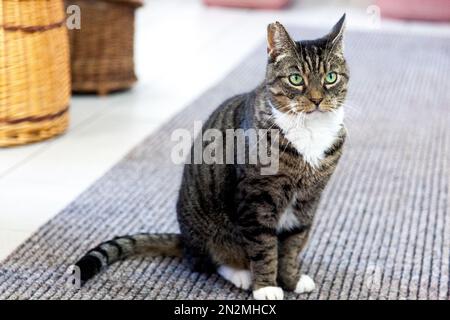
<point>102,50</point>
<point>34,71</point>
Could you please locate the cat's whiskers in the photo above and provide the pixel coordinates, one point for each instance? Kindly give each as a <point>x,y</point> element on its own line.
<point>352,112</point>
<point>270,118</point>
<point>347,119</point>
<point>345,103</point>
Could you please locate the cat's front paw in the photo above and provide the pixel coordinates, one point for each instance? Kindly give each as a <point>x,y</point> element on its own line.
<point>240,278</point>
<point>305,284</point>
<point>268,293</point>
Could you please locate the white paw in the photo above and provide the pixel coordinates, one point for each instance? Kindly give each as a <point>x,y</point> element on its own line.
<point>239,277</point>
<point>268,293</point>
<point>305,284</point>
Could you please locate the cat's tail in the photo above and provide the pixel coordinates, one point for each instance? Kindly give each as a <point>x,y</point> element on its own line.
<point>106,253</point>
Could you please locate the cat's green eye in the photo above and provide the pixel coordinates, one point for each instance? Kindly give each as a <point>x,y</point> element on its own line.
<point>296,79</point>
<point>331,77</point>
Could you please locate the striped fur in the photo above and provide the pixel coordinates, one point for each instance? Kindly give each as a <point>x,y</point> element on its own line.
<point>230,216</point>
<point>119,248</point>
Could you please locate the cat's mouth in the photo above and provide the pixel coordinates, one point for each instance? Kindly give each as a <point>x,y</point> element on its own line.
<point>314,110</point>
<point>317,109</point>
<point>310,109</point>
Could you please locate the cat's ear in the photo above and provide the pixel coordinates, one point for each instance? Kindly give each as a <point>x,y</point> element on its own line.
<point>278,41</point>
<point>335,39</point>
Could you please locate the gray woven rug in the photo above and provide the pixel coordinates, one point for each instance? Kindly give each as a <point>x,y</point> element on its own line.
<point>382,230</point>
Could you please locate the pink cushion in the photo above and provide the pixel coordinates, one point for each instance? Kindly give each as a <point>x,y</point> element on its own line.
<point>436,10</point>
<point>256,4</point>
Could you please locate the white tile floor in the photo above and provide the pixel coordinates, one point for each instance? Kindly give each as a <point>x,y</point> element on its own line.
<point>182,49</point>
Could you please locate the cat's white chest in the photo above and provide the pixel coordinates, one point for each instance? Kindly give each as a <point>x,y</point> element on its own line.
<point>312,134</point>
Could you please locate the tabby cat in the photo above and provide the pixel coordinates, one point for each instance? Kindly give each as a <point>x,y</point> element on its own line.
<point>249,227</point>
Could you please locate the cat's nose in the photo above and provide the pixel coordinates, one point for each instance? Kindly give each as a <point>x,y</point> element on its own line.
<point>316,101</point>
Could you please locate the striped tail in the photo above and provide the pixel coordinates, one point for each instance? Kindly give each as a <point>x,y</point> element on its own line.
<point>119,248</point>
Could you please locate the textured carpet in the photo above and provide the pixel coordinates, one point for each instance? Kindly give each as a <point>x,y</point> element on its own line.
<point>382,230</point>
